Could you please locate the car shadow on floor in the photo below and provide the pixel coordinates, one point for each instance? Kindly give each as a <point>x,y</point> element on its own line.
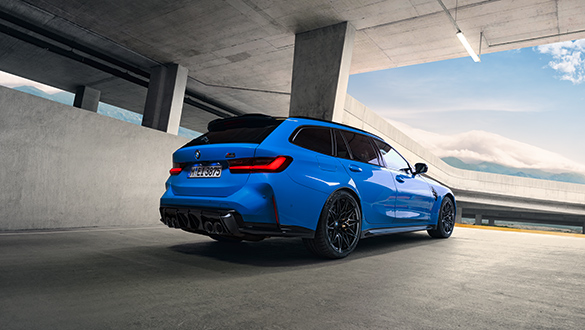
<point>285,252</point>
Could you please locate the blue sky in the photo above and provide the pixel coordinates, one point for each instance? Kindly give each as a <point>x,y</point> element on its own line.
<point>529,102</point>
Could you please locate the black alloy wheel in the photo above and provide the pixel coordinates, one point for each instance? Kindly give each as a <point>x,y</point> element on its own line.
<point>446,221</point>
<point>339,227</point>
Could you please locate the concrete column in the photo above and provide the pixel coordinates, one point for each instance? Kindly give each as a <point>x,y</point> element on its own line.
<point>87,98</point>
<point>491,222</point>
<point>321,65</point>
<point>164,101</point>
<point>584,227</point>
<point>459,215</point>
<point>478,219</point>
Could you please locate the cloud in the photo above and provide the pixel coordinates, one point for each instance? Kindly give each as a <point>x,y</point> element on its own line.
<point>568,59</point>
<point>461,104</point>
<point>10,80</point>
<point>477,146</point>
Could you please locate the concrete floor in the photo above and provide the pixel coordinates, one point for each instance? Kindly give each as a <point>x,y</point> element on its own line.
<point>161,278</point>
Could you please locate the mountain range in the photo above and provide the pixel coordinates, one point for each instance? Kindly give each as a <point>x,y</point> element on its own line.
<point>522,172</point>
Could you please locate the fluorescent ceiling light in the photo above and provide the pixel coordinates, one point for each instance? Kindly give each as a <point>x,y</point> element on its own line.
<point>467,46</point>
<point>460,34</point>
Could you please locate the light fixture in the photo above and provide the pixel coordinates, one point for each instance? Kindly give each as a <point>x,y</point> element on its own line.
<point>468,47</point>
<point>460,35</point>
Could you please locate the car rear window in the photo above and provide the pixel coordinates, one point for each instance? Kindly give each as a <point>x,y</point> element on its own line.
<point>314,138</point>
<point>244,129</point>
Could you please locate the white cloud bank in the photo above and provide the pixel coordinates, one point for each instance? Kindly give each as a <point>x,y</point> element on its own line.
<point>474,147</point>
<point>568,59</point>
<point>10,80</point>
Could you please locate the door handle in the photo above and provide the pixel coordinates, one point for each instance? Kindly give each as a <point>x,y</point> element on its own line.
<point>355,168</point>
<point>399,178</point>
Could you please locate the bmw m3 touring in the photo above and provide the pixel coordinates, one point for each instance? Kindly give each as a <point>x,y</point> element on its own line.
<point>255,176</point>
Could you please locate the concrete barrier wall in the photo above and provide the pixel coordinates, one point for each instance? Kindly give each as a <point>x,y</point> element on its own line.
<point>64,167</point>
<point>358,115</point>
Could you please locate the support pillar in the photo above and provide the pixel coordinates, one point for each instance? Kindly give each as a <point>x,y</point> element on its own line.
<point>322,59</point>
<point>478,219</point>
<point>583,228</point>
<point>459,215</point>
<point>165,97</point>
<point>87,98</point>
<point>491,222</point>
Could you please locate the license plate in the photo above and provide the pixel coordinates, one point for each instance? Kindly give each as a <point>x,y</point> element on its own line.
<point>205,172</point>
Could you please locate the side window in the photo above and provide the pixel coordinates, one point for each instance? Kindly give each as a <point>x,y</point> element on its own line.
<point>361,148</point>
<point>342,151</point>
<point>314,138</point>
<point>392,158</point>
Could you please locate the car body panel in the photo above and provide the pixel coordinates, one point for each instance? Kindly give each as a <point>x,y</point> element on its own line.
<point>296,196</point>
<point>377,191</point>
<point>414,199</point>
<point>212,154</point>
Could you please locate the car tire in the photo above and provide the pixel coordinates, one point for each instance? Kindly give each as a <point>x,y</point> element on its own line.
<point>339,227</point>
<point>446,221</point>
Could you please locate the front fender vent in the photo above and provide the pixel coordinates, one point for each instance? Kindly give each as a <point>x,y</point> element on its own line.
<point>435,193</point>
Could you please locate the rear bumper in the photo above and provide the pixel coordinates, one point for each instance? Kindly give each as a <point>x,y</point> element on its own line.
<point>226,222</point>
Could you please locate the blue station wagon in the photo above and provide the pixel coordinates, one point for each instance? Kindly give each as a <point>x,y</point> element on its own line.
<point>256,176</point>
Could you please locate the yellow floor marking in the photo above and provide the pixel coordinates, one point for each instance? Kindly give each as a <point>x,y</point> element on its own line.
<point>520,230</point>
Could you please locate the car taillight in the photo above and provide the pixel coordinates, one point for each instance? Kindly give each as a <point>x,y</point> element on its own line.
<point>177,168</point>
<point>260,164</point>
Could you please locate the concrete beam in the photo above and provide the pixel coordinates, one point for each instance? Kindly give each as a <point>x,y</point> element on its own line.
<point>87,98</point>
<point>164,101</point>
<point>322,60</point>
<point>540,221</point>
<point>523,215</point>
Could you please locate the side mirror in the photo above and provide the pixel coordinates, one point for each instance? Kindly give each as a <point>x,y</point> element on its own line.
<point>420,168</point>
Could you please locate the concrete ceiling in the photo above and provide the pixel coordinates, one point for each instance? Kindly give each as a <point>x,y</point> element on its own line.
<point>239,53</point>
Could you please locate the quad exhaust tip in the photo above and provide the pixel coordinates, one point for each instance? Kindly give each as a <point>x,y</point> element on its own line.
<point>218,228</point>
<point>219,223</point>
<point>213,228</point>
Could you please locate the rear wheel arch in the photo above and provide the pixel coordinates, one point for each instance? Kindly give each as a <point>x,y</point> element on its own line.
<point>355,195</point>
<point>339,226</point>
<point>357,198</point>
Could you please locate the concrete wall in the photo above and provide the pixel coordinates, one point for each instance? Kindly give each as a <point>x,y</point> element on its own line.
<point>64,167</point>
<point>495,189</point>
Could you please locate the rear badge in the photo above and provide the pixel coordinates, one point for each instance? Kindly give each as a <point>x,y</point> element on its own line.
<point>197,154</point>
<point>230,155</point>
